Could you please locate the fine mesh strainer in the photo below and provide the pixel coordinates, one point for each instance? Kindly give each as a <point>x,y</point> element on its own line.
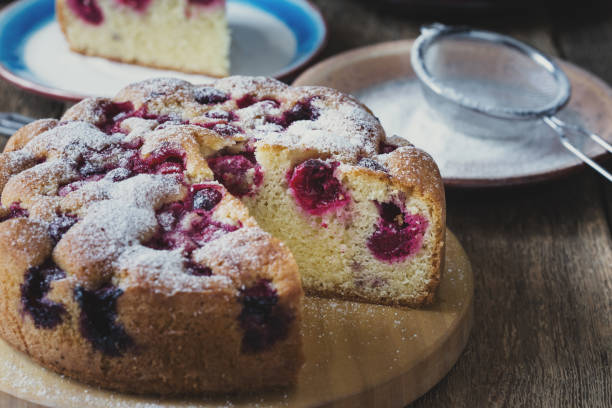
<point>490,85</point>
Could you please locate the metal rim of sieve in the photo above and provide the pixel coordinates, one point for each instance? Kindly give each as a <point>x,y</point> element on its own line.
<point>435,32</point>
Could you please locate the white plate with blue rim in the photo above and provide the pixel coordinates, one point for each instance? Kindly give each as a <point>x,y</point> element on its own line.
<point>269,37</point>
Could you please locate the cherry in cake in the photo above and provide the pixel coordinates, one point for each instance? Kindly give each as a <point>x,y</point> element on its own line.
<point>45,313</point>
<point>98,320</point>
<point>138,5</point>
<point>263,320</point>
<point>238,173</point>
<point>315,188</point>
<point>14,211</point>
<point>397,235</point>
<point>302,110</point>
<point>164,228</point>
<point>60,225</point>
<point>207,95</point>
<point>87,10</point>
<point>188,225</point>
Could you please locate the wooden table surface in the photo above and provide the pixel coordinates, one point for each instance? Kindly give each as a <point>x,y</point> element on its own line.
<point>542,254</point>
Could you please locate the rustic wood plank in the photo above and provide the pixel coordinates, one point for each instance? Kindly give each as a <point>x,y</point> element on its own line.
<point>542,261</point>
<point>357,23</point>
<point>586,39</point>
<point>13,99</point>
<point>608,203</point>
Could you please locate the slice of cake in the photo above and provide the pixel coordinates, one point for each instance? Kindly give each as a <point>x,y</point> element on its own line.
<point>183,35</point>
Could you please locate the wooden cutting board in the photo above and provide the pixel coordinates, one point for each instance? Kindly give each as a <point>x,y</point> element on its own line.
<point>356,355</point>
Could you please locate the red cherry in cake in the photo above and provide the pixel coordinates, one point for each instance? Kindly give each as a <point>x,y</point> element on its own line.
<point>385,147</point>
<point>248,100</point>
<point>203,2</point>
<point>237,173</point>
<point>205,198</point>
<point>315,188</point>
<point>203,229</point>
<point>195,269</point>
<point>371,164</point>
<point>166,160</point>
<point>223,129</point>
<point>187,224</point>
<point>207,95</point>
<point>98,320</point>
<point>15,211</point>
<point>264,322</point>
<point>88,10</point>
<point>94,162</point>
<point>138,5</point>
<point>221,114</point>
<point>60,225</point>
<point>114,113</point>
<point>174,235</point>
<point>37,283</point>
<point>398,235</point>
<point>302,110</point>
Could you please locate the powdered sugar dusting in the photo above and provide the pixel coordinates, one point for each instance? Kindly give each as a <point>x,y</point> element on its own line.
<point>152,88</point>
<point>108,228</point>
<point>402,110</point>
<point>72,140</point>
<point>138,127</point>
<point>239,86</point>
<point>240,252</point>
<point>344,130</point>
<point>17,158</point>
<point>163,271</point>
<point>146,190</point>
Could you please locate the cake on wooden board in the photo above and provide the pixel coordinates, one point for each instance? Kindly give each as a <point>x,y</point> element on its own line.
<point>150,243</point>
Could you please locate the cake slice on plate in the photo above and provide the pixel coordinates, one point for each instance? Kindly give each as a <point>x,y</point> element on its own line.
<point>183,35</point>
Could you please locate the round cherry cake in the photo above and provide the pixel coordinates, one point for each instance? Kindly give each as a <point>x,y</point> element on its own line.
<point>150,243</point>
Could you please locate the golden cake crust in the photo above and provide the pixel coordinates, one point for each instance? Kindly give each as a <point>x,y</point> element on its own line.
<point>415,169</point>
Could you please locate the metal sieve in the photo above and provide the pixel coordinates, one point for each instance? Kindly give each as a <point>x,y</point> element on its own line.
<point>490,85</point>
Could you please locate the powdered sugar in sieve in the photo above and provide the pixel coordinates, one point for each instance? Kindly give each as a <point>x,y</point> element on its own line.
<point>402,110</point>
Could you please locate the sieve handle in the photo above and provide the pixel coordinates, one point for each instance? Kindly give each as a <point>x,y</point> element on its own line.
<point>561,128</point>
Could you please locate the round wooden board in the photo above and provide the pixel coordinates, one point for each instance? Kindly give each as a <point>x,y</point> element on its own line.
<point>356,355</point>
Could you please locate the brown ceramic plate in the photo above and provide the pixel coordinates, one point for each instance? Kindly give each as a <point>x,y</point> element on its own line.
<point>539,160</point>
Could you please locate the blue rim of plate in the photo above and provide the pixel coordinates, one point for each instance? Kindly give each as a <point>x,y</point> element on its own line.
<point>23,18</point>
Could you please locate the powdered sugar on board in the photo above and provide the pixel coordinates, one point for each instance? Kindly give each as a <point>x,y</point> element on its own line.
<point>402,110</point>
